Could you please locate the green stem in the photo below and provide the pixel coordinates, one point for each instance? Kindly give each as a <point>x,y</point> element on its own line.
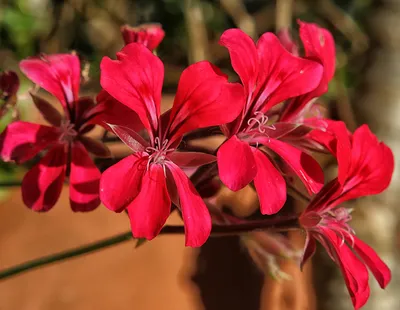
<point>276,224</point>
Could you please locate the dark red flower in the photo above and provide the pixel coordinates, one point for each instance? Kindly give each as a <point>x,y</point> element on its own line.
<point>270,75</point>
<point>150,35</point>
<point>147,181</point>
<point>67,146</point>
<point>365,168</point>
<point>9,85</point>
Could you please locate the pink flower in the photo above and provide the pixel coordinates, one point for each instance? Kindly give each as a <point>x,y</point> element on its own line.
<point>150,35</point>
<point>269,75</point>
<point>9,85</point>
<point>365,168</point>
<point>67,146</point>
<point>147,181</point>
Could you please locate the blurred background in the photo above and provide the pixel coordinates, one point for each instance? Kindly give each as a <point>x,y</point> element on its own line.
<point>163,274</point>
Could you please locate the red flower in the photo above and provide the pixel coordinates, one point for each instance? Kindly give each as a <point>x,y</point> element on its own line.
<point>147,181</point>
<point>67,146</point>
<point>150,35</point>
<point>365,168</point>
<point>9,85</point>
<point>270,75</point>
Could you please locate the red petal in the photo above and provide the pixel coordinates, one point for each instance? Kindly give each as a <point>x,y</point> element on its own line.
<point>287,41</point>
<point>191,159</point>
<point>59,74</point>
<point>236,163</point>
<point>204,98</point>
<point>354,271</point>
<point>243,53</point>
<point>135,79</point>
<point>283,76</point>
<point>379,269</point>
<point>194,211</point>
<point>47,110</point>
<point>120,183</point>
<point>269,183</point>
<point>111,111</point>
<point>320,46</point>
<point>150,209</point>
<point>84,180</point>
<point>301,163</point>
<point>371,167</point>
<point>42,185</point>
<point>20,141</point>
<point>150,35</point>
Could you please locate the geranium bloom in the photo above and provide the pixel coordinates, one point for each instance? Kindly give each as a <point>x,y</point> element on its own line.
<point>9,85</point>
<point>147,181</point>
<point>67,146</point>
<point>150,35</point>
<point>365,168</point>
<point>270,75</point>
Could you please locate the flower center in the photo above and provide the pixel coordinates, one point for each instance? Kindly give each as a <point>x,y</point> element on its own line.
<point>158,152</point>
<point>336,220</point>
<point>259,122</point>
<point>68,133</point>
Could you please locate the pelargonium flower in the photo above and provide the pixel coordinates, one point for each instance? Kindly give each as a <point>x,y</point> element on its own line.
<point>146,182</point>
<point>65,141</point>
<point>270,75</point>
<point>365,168</point>
<point>150,35</point>
<point>9,85</point>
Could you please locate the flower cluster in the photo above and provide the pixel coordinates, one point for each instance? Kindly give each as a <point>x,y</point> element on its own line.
<point>270,131</point>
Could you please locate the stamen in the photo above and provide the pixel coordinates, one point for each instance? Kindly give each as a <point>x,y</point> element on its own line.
<point>260,121</point>
<point>158,152</point>
<point>68,133</point>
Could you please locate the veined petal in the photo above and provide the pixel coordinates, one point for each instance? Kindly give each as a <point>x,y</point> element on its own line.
<point>191,159</point>
<point>59,74</point>
<point>96,147</point>
<point>21,141</point>
<point>84,180</point>
<point>135,79</point>
<point>243,53</point>
<point>150,209</point>
<point>269,183</point>
<point>236,163</point>
<point>42,185</point>
<point>120,184</point>
<point>284,75</point>
<point>204,98</point>
<point>307,169</point>
<point>110,111</point>
<point>379,269</point>
<point>48,112</point>
<point>195,214</point>
<point>131,138</point>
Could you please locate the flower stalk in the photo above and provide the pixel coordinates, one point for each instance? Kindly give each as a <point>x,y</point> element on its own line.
<point>275,224</point>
